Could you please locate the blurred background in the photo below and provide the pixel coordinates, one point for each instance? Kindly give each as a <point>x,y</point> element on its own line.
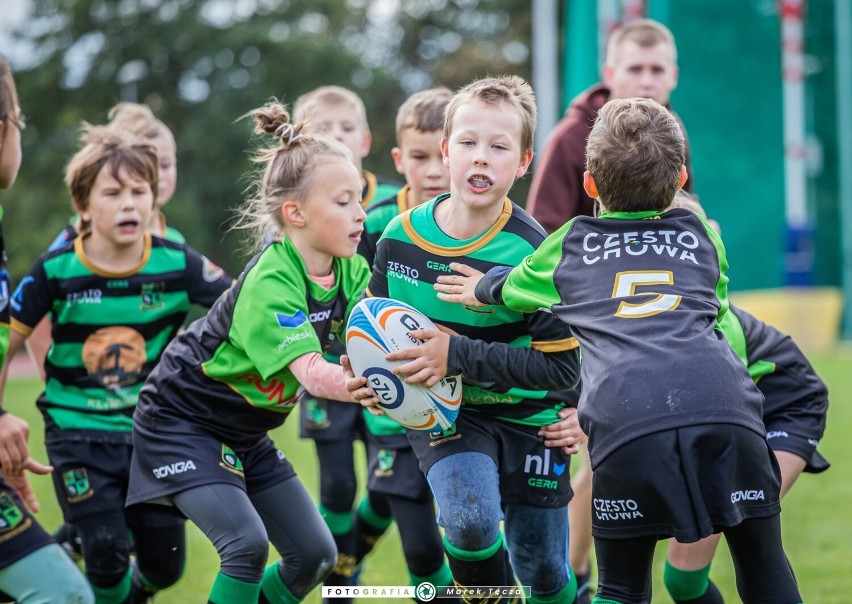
<point>765,92</point>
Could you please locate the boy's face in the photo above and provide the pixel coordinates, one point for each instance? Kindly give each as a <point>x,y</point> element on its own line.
<point>419,158</point>
<point>341,122</point>
<point>484,153</point>
<point>637,71</point>
<point>119,209</point>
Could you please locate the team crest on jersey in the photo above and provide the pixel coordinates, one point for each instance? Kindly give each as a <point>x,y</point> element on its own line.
<point>13,521</point>
<point>77,486</point>
<point>115,356</point>
<point>230,461</point>
<point>210,271</point>
<point>152,295</point>
<point>385,459</point>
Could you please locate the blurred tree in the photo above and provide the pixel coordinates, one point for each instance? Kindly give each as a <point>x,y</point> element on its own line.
<point>201,64</point>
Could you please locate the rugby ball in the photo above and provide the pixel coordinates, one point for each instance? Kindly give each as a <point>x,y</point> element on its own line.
<point>379,326</point>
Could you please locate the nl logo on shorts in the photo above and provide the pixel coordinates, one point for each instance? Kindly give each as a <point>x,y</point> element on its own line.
<point>540,468</point>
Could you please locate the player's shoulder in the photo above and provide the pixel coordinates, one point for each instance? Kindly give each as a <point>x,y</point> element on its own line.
<point>522,224</point>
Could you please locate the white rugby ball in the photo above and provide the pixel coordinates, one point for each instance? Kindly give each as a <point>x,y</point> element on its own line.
<point>379,326</point>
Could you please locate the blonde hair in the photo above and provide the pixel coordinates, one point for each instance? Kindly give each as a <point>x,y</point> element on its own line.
<point>309,105</point>
<point>108,147</point>
<point>138,119</point>
<point>512,90</point>
<point>423,111</point>
<point>645,33</point>
<point>635,153</point>
<point>284,172</point>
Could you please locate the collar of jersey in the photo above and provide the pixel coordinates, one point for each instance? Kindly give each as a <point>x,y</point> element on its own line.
<point>317,291</point>
<point>630,215</point>
<point>85,261</point>
<point>420,226</point>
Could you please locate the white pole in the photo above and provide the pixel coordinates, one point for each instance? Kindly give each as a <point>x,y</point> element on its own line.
<point>799,260</point>
<point>545,67</point>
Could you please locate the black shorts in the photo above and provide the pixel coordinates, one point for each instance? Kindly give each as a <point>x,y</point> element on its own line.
<point>530,473</point>
<point>686,483</point>
<point>324,420</point>
<point>393,469</point>
<point>783,438</point>
<point>20,533</point>
<point>90,477</point>
<point>167,463</point>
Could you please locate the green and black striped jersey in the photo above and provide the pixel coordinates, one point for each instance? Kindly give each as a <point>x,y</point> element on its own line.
<point>229,371</point>
<point>414,251</point>
<point>109,329</point>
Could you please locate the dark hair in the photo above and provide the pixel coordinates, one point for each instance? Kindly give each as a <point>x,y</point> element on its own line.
<point>107,147</point>
<point>635,153</point>
<point>284,171</point>
<point>423,111</point>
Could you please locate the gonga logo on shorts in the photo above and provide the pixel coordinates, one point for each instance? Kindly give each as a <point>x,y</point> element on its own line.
<point>230,461</point>
<point>77,487</point>
<point>12,519</point>
<point>115,356</point>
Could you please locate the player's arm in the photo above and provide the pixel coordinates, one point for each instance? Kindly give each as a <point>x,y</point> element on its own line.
<point>526,288</point>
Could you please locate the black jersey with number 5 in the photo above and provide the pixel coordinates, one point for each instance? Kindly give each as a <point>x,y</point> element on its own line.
<point>644,293</point>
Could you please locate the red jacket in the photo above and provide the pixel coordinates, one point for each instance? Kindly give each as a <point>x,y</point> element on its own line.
<point>556,193</point>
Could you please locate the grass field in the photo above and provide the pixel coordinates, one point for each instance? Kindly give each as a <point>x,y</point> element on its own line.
<point>816,519</point>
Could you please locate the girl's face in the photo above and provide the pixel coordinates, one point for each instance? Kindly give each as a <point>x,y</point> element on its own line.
<point>119,208</point>
<point>332,219</point>
<point>484,153</point>
<point>167,156</point>
<point>10,148</point>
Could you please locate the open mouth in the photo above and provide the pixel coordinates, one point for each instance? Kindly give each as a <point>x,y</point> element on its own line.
<point>128,225</point>
<point>479,182</point>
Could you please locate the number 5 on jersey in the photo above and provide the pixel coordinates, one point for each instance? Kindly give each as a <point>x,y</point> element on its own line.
<point>625,285</point>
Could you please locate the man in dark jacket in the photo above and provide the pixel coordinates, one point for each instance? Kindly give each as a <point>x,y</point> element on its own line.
<point>641,61</point>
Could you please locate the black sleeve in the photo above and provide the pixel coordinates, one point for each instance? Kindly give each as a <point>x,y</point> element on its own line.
<point>489,290</point>
<point>206,281</point>
<point>520,367</point>
<point>378,287</point>
<point>33,297</point>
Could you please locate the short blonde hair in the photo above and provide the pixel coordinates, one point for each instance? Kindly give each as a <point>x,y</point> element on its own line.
<point>510,89</point>
<point>310,104</point>
<point>645,33</point>
<point>138,119</point>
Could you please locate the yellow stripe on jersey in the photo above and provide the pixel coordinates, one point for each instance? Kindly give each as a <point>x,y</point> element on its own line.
<point>464,250</point>
<point>556,345</point>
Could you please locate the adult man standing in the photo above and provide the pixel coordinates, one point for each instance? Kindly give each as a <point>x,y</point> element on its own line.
<point>641,61</point>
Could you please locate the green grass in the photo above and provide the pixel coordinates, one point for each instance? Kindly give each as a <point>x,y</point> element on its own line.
<point>816,520</point>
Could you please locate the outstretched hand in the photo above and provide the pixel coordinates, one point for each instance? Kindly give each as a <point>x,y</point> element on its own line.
<point>565,433</point>
<point>460,288</point>
<point>358,389</point>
